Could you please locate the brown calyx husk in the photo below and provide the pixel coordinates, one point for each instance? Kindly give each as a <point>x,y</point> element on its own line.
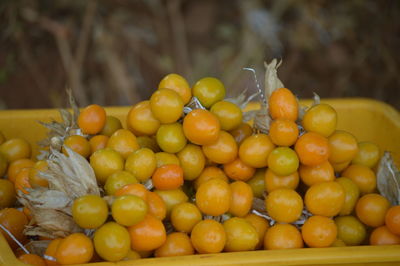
<point>388,179</point>
<point>69,177</point>
<point>58,131</point>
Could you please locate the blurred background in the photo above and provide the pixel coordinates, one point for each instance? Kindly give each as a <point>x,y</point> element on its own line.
<point>114,52</point>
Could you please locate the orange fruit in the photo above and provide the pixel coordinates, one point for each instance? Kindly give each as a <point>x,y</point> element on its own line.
<point>92,119</point>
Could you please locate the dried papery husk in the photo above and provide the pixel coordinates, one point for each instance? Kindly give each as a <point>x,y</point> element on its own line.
<point>37,247</point>
<point>220,218</point>
<point>58,131</point>
<point>388,179</point>
<point>193,104</point>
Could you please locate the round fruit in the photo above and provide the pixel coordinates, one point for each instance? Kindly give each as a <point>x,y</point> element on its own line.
<point>312,149</point>
<point>213,197</point>
<point>254,150</point>
<point>283,236</point>
<point>168,177</point>
<point>363,176</point>
<point>112,124</point>
<point>283,161</point>
<point>343,147</point>
<point>163,158</point>
<point>149,234</point>
<point>156,204</point>
<point>14,221</point>
<point>78,144</point>
<point>16,148</point>
<point>149,142</point>
<point>16,166</point>
<point>383,236</point>
<point>123,142</point>
<point>392,219</point>
<point>141,163</point>
<point>170,137</point>
<point>319,232</point>
<point>50,252</point>
<point>112,242</point>
<point>166,105</point>
<point>208,236</point>
<point>238,170</point>
<point>273,181</point>
<point>34,179</point>
<point>315,174</point>
<point>172,198</point>
<point>3,165</point>
<point>22,181</point>
<point>352,193</point>
<point>208,173</point>
<point>371,209</point>
<point>201,127</point>
<point>240,133</point>
<point>133,189</point>
<point>284,205</point>
<point>257,183</point>
<point>117,181</point>
<point>89,211</point>
<point>223,150</point>
<point>241,198</point>
<point>176,244</point>
<point>229,114</point>
<point>178,84</point>
<point>350,230</point>
<point>105,162</point>
<point>98,142</point>
<point>185,216</point>
<point>260,224</point>
<point>92,119</point>
<point>339,167</point>
<point>240,235</point>
<point>209,91</point>
<point>74,249</point>
<point>141,121</point>
<point>321,119</point>
<point>7,194</point>
<point>325,199</point>
<point>283,132</point>
<point>32,259</point>
<point>128,210</point>
<point>192,161</point>
<point>368,154</point>
<point>283,105</point>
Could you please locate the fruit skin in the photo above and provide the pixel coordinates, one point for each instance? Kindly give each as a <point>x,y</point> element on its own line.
<point>171,198</point>
<point>363,176</point>
<point>89,211</point>
<point>92,119</point>
<point>312,149</point>
<point>192,161</point>
<point>368,154</point>
<point>105,162</point>
<point>223,150</point>
<point>168,177</point>
<point>392,219</point>
<point>201,127</point>
<point>283,236</point>
<point>382,236</point>
<point>166,105</point>
<point>16,166</point>
<point>7,194</point>
<point>185,216</point>
<point>238,170</point>
<point>320,118</point>
<point>260,224</point>
<point>112,242</point>
<point>243,131</point>
<point>3,165</point>
<point>371,209</point>
<point>352,193</point>
<point>283,105</point>
<point>141,121</point>
<point>283,161</point>
<point>16,148</point>
<point>149,234</point>
<point>254,150</point>
<point>51,251</point>
<point>15,222</point>
<point>208,236</point>
<point>213,197</point>
<point>208,91</point>
<point>350,230</point>
<point>241,198</point>
<point>176,244</point>
<point>325,199</point>
<point>74,249</point>
<point>117,180</point>
<point>240,235</point>
<point>229,114</point>
<point>141,163</point>
<point>343,147</point>
<point>273,181</point>
<point>284,205</point>
<point>283,132</point>
<point>112,124</point>
<point>208,173</point>
<point>32,259</point>
<point>123,142</point>
<point>178,84</point>
<point>128,210</point>
<point>319,231</point>
<point>78,144</point>
<point>170,137</point>
<point>257,183</point>
<point>311,175</point>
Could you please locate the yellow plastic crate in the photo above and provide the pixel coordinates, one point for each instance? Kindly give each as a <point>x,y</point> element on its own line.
<point>368,120</point>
